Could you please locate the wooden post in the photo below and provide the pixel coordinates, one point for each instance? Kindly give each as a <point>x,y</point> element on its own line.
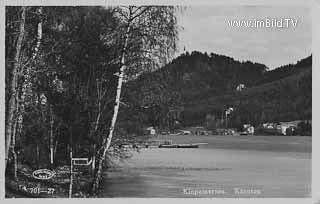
<point>226,120</point>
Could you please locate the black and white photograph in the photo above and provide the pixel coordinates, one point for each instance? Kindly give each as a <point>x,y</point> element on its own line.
<point>157,101</point>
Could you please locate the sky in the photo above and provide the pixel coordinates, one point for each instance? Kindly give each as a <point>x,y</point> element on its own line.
<point>206,29</point>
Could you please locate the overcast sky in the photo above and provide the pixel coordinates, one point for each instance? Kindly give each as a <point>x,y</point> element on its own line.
<point>207,29</point>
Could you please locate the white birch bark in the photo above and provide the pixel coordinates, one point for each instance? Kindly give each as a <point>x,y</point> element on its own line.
<point>71,174</point>
<point>51,136</point>
<point>13,144</point>
<point>13,86</point>
<point>27,74</point>
<point>14,154</point>
<point>107,141</point>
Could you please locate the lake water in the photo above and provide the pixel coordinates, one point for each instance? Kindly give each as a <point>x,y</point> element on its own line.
<point>229,166</point>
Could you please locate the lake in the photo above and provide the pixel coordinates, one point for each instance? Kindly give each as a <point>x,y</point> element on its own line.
<point>228,166</point>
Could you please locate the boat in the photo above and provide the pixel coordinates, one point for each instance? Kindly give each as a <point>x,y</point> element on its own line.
<point>188,146</point>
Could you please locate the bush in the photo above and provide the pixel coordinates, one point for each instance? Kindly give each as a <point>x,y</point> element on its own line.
<point>304,128</point>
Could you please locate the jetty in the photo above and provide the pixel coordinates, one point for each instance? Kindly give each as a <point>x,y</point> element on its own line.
<point>162,144</point>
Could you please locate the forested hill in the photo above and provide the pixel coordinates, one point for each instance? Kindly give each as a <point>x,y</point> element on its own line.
<point>196,85</point>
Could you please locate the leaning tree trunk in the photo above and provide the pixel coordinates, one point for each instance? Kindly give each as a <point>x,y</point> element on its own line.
<point>13,143</point>
<point>107,141</point>
<point>12,148</point>
<point>13,86</point>
<point>14,154</point>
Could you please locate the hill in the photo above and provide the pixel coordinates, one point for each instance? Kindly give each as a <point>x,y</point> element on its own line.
<point>197,88</point>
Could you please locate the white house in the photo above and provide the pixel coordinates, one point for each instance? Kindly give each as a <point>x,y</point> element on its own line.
<point>248,128</point>
<point>151,130</point>
<point>240,87</point>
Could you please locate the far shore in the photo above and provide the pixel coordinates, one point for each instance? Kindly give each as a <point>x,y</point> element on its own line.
<point>245,142</point>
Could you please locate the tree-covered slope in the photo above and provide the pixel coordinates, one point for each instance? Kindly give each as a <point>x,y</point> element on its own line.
<point>195,86</point>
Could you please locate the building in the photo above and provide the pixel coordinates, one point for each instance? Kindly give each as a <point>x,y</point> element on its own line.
<point>240,87</point>
<point>280,128</point>
<point>248,129</point>
<point>198,130</point>
<point>151,131</point>
<point>185,132</point>
<point>224,131</point>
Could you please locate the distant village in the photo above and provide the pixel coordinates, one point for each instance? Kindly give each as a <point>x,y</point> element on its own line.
<point>276,129</point>
<point>292,128</point>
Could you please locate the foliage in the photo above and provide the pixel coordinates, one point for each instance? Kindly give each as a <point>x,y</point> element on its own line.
<point>200,86</point>
<point>76,72</point>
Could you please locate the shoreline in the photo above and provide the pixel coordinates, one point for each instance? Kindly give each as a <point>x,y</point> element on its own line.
<point>224,155</point>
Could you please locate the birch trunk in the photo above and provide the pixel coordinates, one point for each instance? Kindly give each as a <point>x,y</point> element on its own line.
<point>107,141</point>
<point>27,74</point>
<point>38,155</point>
<point>13,144</point>
<point>71,174</point>
<point>94,160</point>
<point>55,147</point>
<point>14,154</point>
<point>51,136</point>
<point>13,86</point>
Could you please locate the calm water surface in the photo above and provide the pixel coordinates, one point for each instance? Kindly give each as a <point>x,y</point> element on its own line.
<point>244,166</point>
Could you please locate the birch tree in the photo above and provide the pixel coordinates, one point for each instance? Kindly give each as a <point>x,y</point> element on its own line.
<point>27,72</point>
<point>148,38</point>
<point>12,106</point>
